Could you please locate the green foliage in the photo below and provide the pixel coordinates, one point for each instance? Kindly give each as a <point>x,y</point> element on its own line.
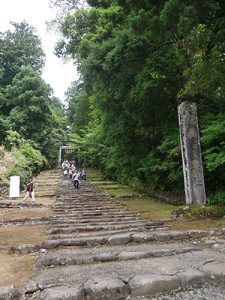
<point>162,170</point>
<point>32,121</point>
<point>20,47</point>
<point>138,60</point>
<point>218,197</point>
<point>3,128</point>
<point>28,162</point>
<point>213,151</point>
<point>78,107</point>
<point>32,112</point>
<point>13,139</point>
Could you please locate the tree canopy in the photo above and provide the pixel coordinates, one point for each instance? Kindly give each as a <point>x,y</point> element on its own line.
<point>20,47</point>
<point>138,60</point>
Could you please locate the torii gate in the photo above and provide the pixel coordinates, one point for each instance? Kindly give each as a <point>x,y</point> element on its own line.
<point>64,146</point>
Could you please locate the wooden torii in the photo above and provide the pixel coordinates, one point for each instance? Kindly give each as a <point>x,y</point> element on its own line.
<point>65,145</point>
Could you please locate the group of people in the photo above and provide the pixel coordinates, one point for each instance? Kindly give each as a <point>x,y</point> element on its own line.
<point>70,171</point>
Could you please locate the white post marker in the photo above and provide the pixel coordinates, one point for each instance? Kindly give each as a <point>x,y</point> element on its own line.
<point>14,188</point>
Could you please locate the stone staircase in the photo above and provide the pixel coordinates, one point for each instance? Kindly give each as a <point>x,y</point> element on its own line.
<point>99,250</point>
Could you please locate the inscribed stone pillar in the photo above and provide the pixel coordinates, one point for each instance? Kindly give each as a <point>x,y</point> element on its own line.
<point>191,154</point>
<point>60,156</point>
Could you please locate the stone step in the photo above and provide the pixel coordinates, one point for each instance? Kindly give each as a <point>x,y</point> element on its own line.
<point>85,202</point>
<point>96,215</point>
<point>80,229</point>
<point>54,236</point>
<point>91,206</point>
<point>114,253</point>
<point>75,234</point>
<point>99,250</point>
<point>71,218</point>
<point>125,238</point>
<point>86,206</point>
<point>91,227</point>
<point>89,211</point>
<point>106,220</point>
<point>125,279</point>
<point>93,222</point>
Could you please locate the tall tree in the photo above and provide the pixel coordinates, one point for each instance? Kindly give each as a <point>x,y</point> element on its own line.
<point>33,113</point>
<point>19,47</point>
<point>78,107</point>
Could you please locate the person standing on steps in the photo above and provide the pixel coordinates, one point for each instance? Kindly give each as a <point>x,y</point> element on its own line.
<point>70,173</point>
<point>30,190</point>
<point>83,174</point>
<point>65,172</point>
<point>76,176</point>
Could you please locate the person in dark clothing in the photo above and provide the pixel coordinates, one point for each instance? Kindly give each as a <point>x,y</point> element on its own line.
<point>29,190</point>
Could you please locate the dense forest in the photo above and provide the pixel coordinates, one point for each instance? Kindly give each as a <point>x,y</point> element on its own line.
<point>137,61</point>
<point>32,120</point>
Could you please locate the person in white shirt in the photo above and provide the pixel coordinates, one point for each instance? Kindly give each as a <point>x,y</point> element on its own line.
<point>76,177</point>
<point>65,172</point>
<point>70,173</point>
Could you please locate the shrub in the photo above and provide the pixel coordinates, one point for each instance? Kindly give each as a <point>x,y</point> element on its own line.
<point>29,161</point>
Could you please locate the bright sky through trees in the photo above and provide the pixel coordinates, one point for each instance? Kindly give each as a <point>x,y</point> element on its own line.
<point>36,12</point>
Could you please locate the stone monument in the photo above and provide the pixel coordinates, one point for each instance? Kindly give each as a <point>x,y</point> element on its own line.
<point>191,154</point>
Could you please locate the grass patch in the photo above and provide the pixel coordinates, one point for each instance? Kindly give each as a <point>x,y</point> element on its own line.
<point>94,178</point>
<point>185,224</point>
<point>154,210</point>
<point>15,235</point>
<point>102,182</point>
<point>149,208</point>
<point>13,214</point>
<point>112,187</point>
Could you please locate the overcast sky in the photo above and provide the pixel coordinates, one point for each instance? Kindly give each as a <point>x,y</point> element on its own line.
<point>36,12</point>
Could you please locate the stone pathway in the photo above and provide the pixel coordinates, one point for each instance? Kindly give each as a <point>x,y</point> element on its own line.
<point>98,250</point>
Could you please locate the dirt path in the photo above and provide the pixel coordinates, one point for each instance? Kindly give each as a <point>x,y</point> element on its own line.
<point>25,224</point>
